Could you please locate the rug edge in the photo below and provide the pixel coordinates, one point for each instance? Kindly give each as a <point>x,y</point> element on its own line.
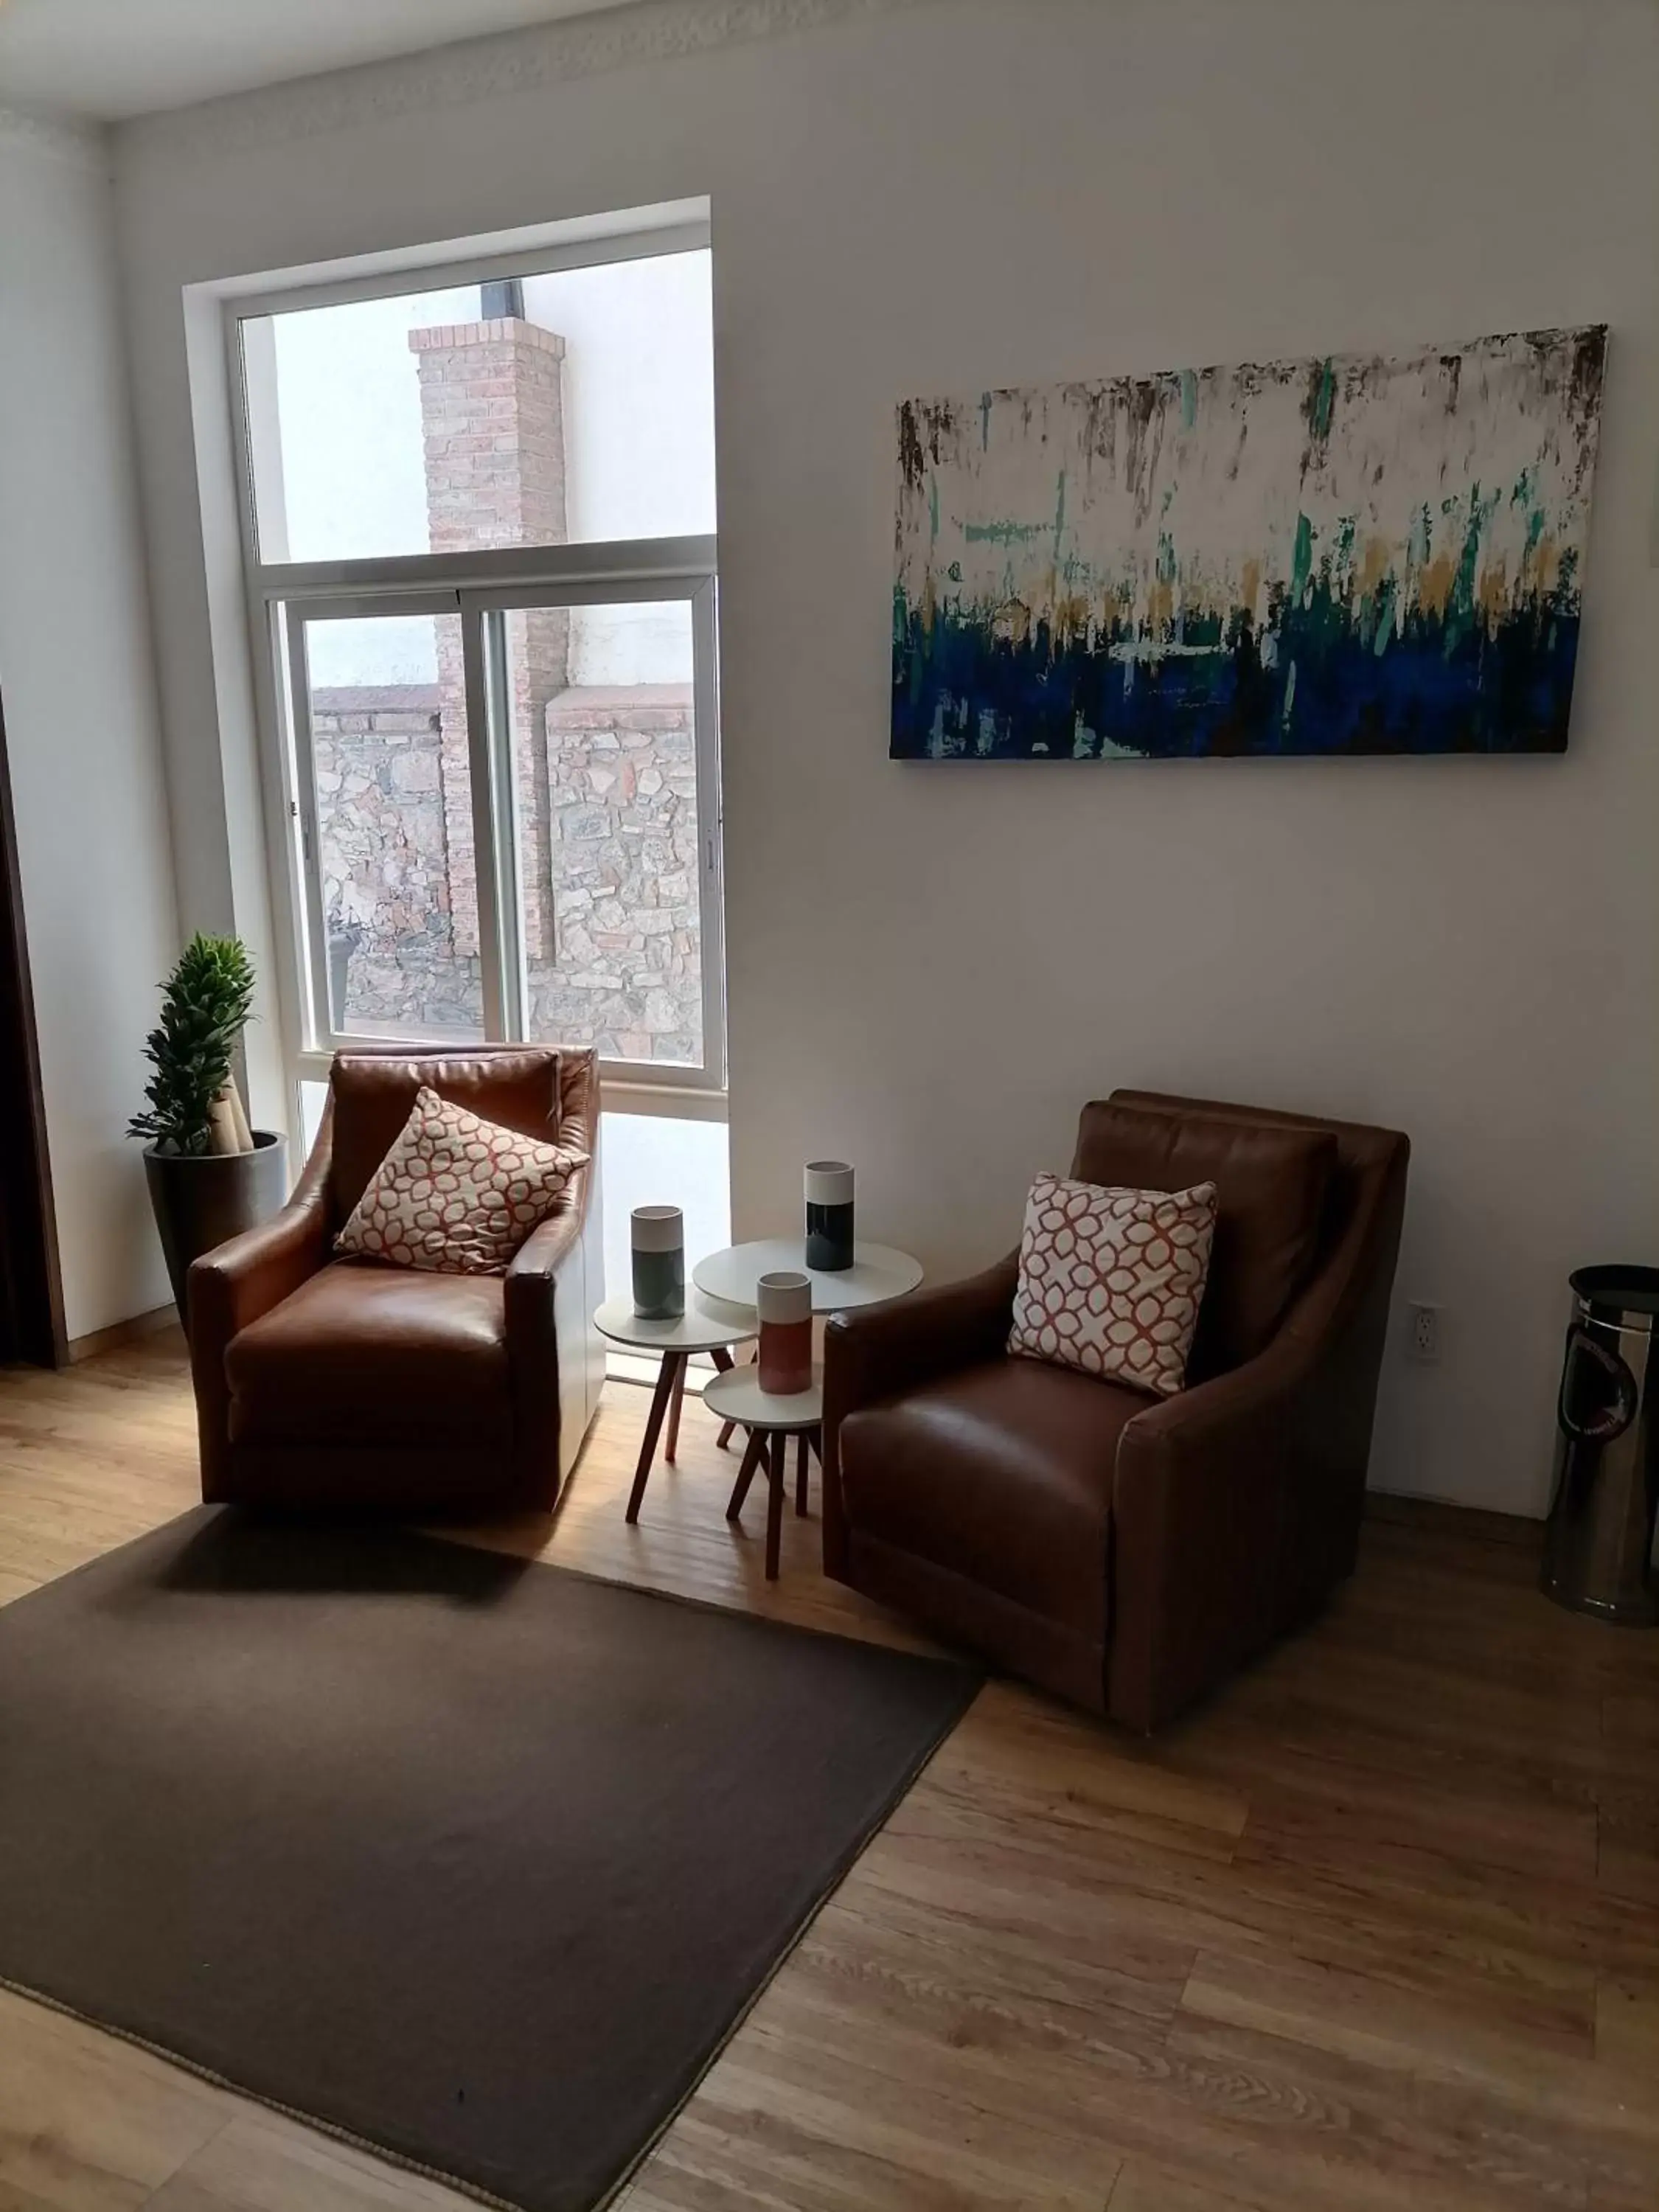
<point>943,1659</point>
<point>964,1678</point>
<point>331,2129</point>
<point>973,1684</point>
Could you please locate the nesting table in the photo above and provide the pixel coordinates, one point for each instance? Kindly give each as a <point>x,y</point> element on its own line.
<point>736,1395</point>
<point>878,1271</point>
<point>699,1328</point>
<point>721,1315</point>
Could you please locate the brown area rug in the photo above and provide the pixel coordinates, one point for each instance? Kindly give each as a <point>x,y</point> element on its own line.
<point>476,1862</point>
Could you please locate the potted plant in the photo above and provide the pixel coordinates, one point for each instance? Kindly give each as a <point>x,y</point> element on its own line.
<point>210,1176</point>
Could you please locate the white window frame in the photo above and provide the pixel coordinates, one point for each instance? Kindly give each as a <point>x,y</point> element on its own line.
<point>283,594</point>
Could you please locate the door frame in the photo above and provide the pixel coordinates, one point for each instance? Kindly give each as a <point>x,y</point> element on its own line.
<point>32,1326</point>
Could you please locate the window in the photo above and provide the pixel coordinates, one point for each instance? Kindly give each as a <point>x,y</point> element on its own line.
<point>480,521</point>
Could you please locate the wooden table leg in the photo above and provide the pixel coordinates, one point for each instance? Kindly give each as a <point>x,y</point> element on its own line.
<point>800,1475</point>
<point>725,1362</point>
<point>779,1449</point>
<point>673,1366</point>
<point>754,1456</point>
<point>671,1443</point>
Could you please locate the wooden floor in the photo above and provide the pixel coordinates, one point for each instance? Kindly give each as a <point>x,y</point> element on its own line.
<point>1379,1928</point>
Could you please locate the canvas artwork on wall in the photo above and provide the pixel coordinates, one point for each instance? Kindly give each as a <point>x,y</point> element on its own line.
<point>1359,554</point>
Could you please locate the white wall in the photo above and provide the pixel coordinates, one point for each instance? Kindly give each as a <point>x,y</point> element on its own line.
<point>643,1156</point>
<point>81,721</point>
<point>639,398</point>
<point>639,437</point>
<point>930,967</point>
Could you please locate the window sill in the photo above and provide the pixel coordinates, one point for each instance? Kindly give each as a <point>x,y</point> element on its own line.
<point>672,1102</point>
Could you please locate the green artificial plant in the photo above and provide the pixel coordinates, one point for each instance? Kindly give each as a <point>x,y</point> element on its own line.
<point>205,1009</point>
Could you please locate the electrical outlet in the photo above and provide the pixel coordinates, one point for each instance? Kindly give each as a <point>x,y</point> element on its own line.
<point>1423,1335</point>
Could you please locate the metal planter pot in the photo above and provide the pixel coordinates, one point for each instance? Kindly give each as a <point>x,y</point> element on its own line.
<point>202,1198</point>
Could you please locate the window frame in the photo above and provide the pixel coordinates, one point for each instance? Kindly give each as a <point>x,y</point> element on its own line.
<point>281,595</point>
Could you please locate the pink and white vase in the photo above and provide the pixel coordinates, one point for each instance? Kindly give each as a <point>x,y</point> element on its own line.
<point>783,1306</point>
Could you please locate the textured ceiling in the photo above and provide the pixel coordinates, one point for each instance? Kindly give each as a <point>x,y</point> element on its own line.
<point>107,58</point>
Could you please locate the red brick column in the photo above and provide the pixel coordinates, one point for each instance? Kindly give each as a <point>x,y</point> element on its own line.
<point>492,415</point>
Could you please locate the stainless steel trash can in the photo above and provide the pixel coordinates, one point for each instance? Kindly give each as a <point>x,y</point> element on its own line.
<point>1598,1544</point>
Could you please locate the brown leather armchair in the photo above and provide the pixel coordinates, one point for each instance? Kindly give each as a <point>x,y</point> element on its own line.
<point>1125,1551</point>
<point>347,1383</point>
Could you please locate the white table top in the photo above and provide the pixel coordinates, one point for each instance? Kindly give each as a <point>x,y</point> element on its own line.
<point>738,1396</point>
<point>699,1328</point>
<point>878,1271</point>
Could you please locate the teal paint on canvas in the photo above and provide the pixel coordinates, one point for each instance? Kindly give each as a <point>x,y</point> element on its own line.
<point>1345,555</point>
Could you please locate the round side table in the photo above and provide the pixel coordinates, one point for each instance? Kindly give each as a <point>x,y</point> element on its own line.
<point>771,1421</point>
<point>697,1330</point>
<point>878,1271</point>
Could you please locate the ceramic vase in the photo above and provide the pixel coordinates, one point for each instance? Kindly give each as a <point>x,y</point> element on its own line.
<point>657,1235</point>
<point>829,1216</point>
<point>783,1306</point>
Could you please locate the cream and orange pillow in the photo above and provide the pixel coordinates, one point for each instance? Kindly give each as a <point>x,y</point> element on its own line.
<point>456,1194</point>
<point>1110,1281</point>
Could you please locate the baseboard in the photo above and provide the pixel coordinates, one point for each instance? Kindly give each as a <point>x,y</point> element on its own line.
<point>121,1333</point>
<point>1439,1513</point>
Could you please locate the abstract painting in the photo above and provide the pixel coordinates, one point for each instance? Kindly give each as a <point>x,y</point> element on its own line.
<point>1365,554</point>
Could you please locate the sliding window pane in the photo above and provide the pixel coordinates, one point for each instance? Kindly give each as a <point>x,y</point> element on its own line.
<point>603,719</point>
<point>393,879</point>
<point>565,407</point>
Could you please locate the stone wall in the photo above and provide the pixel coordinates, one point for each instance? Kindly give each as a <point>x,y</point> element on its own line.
<point>622,807</point>
<point>387,863</point>
<point>622,966</point>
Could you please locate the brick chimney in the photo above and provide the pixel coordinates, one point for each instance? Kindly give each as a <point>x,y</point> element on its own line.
<point>492,415</point>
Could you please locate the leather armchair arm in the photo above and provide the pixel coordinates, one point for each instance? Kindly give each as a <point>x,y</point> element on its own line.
<point>541,1278</point>
<point>1236,1505</point>
<point>1215,1414</point>
<point>1205,1492</point>
<point>233,1286</point>
<point>875,1351</point>
<point>533,1268</point>
<point>880,1351</point>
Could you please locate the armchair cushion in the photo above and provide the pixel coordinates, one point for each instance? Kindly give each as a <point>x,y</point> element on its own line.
<point>362,1353</point>
<point>1111,1280</point>
<point>1000,1473</point>
<point>457,1194</point>
<point>1272,1182</point>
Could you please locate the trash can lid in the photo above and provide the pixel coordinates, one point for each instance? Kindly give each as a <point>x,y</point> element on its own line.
<point>1613,1291</point>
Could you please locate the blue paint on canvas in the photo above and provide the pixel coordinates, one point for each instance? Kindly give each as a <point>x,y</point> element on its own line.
<point>1334,556</point>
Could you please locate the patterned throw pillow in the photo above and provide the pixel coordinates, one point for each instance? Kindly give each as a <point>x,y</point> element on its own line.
<point>1111,1280</point>
<point>455,1194</point>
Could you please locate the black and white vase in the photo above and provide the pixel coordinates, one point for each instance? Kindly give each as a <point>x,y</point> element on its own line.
<point>829,1216</point>
<point>658,1236</point>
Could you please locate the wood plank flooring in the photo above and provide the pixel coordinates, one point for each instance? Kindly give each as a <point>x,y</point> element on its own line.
<point>1378,1928</point>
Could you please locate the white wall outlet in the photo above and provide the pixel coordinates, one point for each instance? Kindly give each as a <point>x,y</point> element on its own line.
<point>1423,1335</point>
